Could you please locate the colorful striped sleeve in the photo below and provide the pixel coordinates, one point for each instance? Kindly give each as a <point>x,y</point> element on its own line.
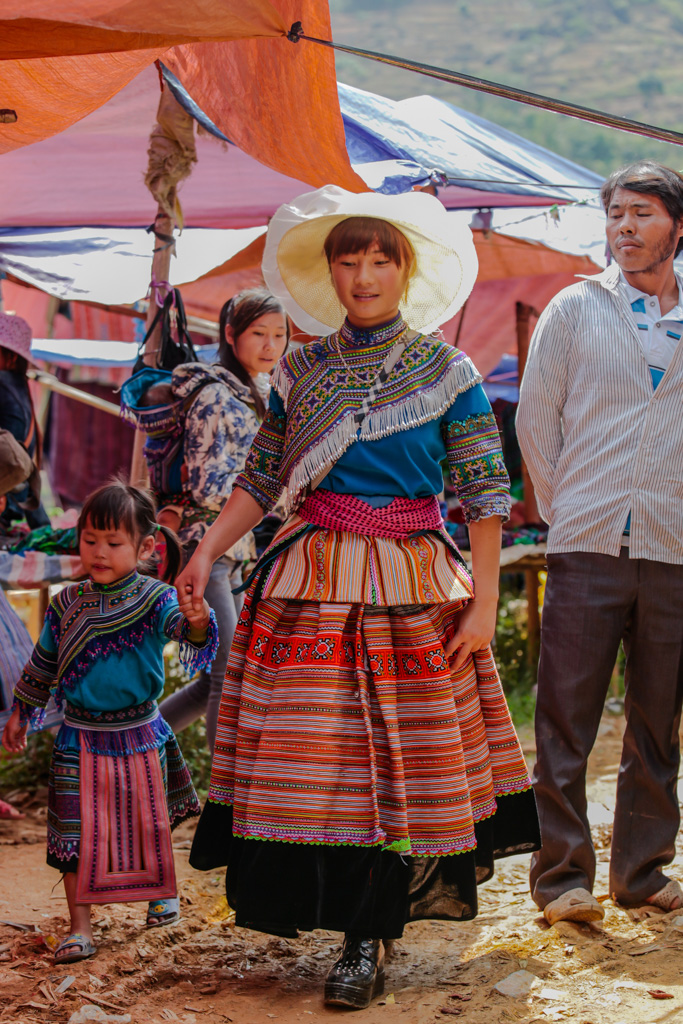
<point>260,477</point>
<point>475,457</point>
<point>39,677</point>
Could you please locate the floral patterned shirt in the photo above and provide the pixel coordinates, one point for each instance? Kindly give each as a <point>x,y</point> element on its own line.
<point>219,428</point>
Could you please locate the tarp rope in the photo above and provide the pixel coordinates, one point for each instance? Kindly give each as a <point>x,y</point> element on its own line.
<point>533,99</point>
<point>449,180</point>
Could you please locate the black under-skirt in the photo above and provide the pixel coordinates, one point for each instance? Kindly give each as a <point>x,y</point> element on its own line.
<point>281,888</point>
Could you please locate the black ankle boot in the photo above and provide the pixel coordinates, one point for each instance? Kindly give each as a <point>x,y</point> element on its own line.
<point>358,975</point>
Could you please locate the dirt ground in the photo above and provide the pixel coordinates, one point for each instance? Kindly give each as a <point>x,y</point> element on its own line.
<point>203,970</point>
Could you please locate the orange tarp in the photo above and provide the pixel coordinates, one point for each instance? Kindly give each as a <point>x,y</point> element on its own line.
<point>62,59</point>
<point>501,256</point>
<point>50,95</point>
<point>55,28</point>
<point>275,99</point>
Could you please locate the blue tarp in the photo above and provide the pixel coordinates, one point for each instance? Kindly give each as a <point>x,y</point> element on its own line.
<point>436,140</point>
<point>110,265</point>
<point>503,382</point>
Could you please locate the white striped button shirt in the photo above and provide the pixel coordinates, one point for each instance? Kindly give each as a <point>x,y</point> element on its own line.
<point>598,439</point>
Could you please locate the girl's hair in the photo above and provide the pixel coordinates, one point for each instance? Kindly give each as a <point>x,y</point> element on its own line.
<point>120,506</point>
<point>239,313</point>
<point>357,234</point>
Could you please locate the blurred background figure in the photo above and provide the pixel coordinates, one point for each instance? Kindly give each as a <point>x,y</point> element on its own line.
<point>17,416</point>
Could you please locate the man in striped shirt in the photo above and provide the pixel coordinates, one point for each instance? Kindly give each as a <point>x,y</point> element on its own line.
<point>600,424</point>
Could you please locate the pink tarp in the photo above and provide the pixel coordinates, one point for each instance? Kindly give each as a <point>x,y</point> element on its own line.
<point>93,173</point>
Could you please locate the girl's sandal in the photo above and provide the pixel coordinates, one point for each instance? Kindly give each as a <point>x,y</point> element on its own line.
<point>73,948</point>
<point>162,912</point>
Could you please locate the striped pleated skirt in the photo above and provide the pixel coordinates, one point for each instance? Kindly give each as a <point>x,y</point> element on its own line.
<point>359,781</point>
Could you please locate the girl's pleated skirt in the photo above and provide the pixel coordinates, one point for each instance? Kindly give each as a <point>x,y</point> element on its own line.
<point>118,786</point>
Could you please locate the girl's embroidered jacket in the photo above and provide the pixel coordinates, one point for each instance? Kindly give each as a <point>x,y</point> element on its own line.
<point>102,647</point>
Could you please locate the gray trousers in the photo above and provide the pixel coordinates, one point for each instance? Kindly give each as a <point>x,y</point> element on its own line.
<point>203,694</point>
<point>591,602</point>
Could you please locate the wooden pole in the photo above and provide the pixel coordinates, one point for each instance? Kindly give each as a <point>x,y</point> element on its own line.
<point>171,155</point>
<point>460,322</point>
<point>54,384</point>
<point>161,266</point>
<point>533,616</point>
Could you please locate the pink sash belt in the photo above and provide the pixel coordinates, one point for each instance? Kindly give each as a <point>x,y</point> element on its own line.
<point>347,513</point>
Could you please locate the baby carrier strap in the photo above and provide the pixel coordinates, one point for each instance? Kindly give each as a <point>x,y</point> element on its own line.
<point>164,425</point>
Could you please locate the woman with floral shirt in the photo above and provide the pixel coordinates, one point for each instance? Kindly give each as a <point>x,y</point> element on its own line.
<point>220,426</point>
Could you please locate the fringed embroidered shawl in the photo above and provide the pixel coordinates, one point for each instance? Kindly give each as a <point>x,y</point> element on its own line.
<point>87,624</point>
<point>322,386</point>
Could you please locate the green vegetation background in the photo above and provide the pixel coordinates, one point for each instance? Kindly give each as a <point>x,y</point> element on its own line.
<point>619,56</point>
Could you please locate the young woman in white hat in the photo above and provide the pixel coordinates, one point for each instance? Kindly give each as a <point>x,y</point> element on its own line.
<point>366,771</point>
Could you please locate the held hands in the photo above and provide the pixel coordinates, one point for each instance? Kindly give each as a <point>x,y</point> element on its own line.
<point>14,734</point>
<point>191,585</point>
<point>476,627</point>
<point>198,619</point>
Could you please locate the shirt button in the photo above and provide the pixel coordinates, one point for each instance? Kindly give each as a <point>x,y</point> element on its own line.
<point>652,302</point>
<point>658,325</point>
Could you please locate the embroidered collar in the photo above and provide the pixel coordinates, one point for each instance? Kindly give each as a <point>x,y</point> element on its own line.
<point>379,336</point>
<point>118,586</point>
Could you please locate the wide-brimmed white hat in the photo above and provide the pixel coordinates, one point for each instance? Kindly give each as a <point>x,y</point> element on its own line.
<point>295,267</point>
<point>15,334</point>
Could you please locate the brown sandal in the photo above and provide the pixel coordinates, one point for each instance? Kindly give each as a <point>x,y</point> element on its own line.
<point>659,903</point>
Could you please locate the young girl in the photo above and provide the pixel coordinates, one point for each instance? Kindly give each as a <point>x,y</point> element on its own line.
<point>118,783</point>
<point>220,426</point>
<point>366,771</point>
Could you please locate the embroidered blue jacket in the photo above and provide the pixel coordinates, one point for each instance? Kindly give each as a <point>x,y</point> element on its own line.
<point>101,648</point>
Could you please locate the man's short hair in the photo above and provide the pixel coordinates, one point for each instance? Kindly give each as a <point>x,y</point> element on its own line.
<point>649,178</point>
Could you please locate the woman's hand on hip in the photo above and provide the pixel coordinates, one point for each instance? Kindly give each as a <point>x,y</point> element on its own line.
<point>476,629</point>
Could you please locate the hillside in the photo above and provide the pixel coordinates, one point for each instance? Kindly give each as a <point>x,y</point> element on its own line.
<point>611,54</point>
